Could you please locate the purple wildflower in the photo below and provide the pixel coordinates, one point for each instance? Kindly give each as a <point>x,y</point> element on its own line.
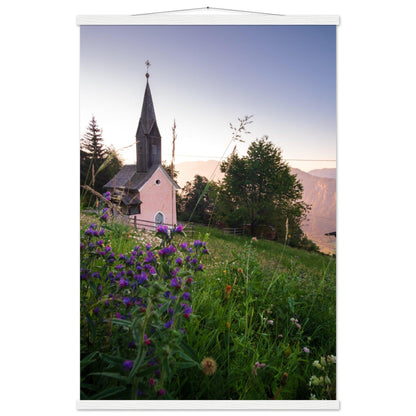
<point>168,324</point>
<point>175,282</point>
<point>179,261</point>
<point>178,229</point>
<point>183,245</point>
<point>128,365</point>
<point>163,229</point>
<point>123,282</point>
<point>186,295</point>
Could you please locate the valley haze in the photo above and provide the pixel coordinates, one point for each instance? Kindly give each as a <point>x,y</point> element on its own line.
<point>319,192</point>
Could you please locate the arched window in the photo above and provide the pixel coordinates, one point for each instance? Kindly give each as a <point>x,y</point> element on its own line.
<point>159,218</point>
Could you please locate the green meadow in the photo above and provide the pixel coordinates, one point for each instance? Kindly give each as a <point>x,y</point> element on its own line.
<point>170,315</point>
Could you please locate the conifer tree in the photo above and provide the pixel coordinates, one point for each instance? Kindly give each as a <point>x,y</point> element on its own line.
<point>98,163</point>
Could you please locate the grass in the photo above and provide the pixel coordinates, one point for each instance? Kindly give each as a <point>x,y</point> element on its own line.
<point>263,311</point>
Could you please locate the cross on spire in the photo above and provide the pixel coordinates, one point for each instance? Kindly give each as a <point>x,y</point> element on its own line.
<point>147,63</point>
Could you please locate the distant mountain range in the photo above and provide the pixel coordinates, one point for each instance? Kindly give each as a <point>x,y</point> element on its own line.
<point>319,192</point>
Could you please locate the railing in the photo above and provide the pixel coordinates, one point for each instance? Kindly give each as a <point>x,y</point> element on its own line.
<point>234,231</point>
<point>140,224</point>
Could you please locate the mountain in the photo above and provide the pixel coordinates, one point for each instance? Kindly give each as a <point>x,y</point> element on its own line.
<point>324,173</point>
<point>321,194</point>
<point>319,191</point>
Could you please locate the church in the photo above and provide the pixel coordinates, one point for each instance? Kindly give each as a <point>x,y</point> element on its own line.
<point>146,191</point>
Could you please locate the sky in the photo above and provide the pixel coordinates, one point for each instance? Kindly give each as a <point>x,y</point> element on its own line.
<point>206,77</point>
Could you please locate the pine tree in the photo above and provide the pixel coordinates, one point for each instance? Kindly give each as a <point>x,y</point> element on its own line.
<point>98,163</point>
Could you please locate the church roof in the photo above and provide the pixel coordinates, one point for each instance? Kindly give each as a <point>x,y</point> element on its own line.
<point>128,178</point>
<point>147,124</point>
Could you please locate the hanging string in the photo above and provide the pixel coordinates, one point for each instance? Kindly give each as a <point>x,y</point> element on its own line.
<point>208,9</point>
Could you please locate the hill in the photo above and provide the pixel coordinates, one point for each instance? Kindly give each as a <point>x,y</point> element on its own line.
<point>324,173</point>
<point>319,192</point>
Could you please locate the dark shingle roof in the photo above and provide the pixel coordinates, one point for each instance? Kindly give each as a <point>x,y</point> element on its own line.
<point>128,178</point>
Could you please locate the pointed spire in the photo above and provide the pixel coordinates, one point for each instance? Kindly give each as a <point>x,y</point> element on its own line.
<point>148,146</point>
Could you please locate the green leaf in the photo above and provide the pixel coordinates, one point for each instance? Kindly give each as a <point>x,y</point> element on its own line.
<point>138,361</point>
<point>121,322</point>
<point>88,359</point>
<point>186,364</point>
<point>116,376</point>
<point>111,391</point>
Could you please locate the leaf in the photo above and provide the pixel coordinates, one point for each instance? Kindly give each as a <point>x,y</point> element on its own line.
<point>121,322</point>
<point>186,364</point>
<point>191,353</point>
<point>116,376</point>
<point>111,391</point>
<point>138,361</point>
<point>88,359</point>
<point>115,361</point>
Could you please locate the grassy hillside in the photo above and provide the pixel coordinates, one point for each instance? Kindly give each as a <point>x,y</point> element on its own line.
<point>247,320</point>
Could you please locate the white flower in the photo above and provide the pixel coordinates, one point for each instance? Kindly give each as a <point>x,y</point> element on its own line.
<point>323,361</point>
<point>306,349</point>
<point>317,365</point>
<point>315,380</point>
<point>270,322</point>
<point>332,359</point>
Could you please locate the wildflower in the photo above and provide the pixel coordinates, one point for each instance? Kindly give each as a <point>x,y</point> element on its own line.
<point>227,324</point>
<point>331,359</point>
<point>323,361</point>
<point>228,289</point>
<point>224,271</point>
<point>123,282</point>
<point>163,229</point>
<point>107,195</point>
<point>96,311</point>
<point>152,382</point>
<point>146,340</point>
<point>128,365</point>
<point>168,324</point>
<point>179,261</point>
<point>317,365</point>
<point>209,366</point>
<point>280,336</point>
<point>306,349</point>
<point>178,229</point>
<point>186,295</point>
<point>175,282</point>
<point>183,245</point>
<point>162,392</point>
<point>256,366</point>
<point>270,322</point>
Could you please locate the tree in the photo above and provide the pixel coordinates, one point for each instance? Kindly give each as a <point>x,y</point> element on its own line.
<point>258,189</point>
<point>196,202</point>
<point>98,163</point>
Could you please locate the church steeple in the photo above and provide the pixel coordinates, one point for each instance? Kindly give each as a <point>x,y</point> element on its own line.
<point>148,139</point>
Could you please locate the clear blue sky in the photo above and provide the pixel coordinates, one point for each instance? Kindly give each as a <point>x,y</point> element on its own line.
<point>206,77</point>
